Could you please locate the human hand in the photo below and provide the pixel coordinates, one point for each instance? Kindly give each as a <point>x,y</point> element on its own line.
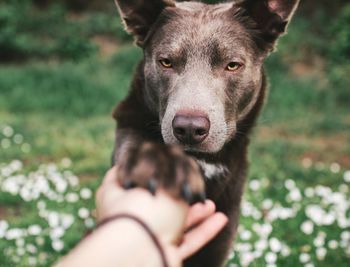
<point>167,217</point>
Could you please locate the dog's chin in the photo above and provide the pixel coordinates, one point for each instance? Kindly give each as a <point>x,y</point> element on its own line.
<point>205,147</point>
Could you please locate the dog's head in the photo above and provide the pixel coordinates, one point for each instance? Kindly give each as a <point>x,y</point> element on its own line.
<point>203,63</point>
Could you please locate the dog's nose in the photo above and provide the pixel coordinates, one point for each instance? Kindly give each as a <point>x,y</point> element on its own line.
<point>190,129</point>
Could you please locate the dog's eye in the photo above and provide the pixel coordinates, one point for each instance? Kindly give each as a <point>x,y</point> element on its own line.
<point>233,66</point>
<point>166,63</point>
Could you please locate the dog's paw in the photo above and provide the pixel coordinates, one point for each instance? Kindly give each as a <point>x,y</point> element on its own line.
<point>153,166</point>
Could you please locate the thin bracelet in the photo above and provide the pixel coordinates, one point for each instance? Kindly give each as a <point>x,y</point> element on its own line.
<point>144,226</point>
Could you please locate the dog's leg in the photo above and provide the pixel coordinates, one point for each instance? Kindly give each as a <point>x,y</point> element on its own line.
<point>149,165</point>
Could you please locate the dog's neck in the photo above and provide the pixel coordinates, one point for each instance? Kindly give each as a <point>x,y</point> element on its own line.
<point>212,170</point>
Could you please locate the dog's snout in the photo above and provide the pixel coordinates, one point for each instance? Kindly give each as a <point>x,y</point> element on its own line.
<point>191,129</point>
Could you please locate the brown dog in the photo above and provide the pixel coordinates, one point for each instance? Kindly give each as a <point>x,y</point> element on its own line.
<point>194,100</point>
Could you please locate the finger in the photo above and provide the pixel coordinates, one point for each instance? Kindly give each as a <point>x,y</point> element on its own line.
<point>201,235</point>
<point>111,176</point>
<point>199,212</point>
<point>108,183</point>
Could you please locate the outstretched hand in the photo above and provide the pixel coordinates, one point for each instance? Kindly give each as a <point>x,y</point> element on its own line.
<point>182,230</point>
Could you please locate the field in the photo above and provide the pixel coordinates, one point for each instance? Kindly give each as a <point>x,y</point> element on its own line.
<point>59,85</point>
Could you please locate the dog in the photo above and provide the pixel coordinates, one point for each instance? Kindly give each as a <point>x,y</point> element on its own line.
<point>194,100</point>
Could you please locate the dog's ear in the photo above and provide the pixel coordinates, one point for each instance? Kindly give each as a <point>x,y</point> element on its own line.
<point>272,16</point>
<point>139,15</point>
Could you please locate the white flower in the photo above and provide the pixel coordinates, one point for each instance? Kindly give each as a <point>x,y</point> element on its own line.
<point>57,233</point>
<point>3,227</point>
<point>83,213</point>
<point>16,259</point>
<point>294,195</point>
<point>309,192</point>
<point>306,162</point>
<point>231,256</point>
<point>261,245</point>
<point>18,139</point>
<point>243,247</point>
<point>333,244</point>
<point>245,235</point>
<point>289,184</point>
<point>34,229</point>
<point>257,254</point>
<point>319,241</point>
<point>66,162</point>
<point>53,219</point>
<point>270,257</point>
<point>267,204</point>
<point>31,249</point>
<point>282,213</point>
<point>246,258</point>
<point>254,185</point>
<point>265,230</point>
<point>8,131</point>
<point>343,222</point>
<point>307,227</point>
<point>20,242</point>
<point>321,253</point>
<point>257,215</point>
<point>67,220</point>
<point>335,167</point>
<point>304,257</point>
<point>40,240</point>
<point>347,176</point>
<point>275,245</point>
<point>25,194</point>
<point>329,219</point>
<point>20,251</point>
<point>32,261</point>
<point>247,209</point>
<point>16,165</point>
<point>309,265</point>
<point>322,191</point>
<point>72,197</point>
<point>285,252</point>
<point>41,205</point>
<point>345,235</point>
<point>57,245</point>
<point>11,186</point>
<point>315,213</point>
<point>61,186</point>
<point>5,143</point>
<point>343,188</point>
<point>85,193</point>
<point>73,180</point>
<point>14,233</point>
<point>89,223</point>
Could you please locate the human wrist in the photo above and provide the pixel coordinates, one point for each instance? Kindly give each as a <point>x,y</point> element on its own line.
<point>136,228</point>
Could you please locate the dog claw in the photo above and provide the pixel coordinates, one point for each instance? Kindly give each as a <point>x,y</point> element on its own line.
<point>199,197</point>
<point>187,193</point>
<point>202,197</point>
<point>129,184</point>
<point>152,186</point>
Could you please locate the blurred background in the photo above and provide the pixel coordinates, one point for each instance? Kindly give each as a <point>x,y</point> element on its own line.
<point>65,64</point>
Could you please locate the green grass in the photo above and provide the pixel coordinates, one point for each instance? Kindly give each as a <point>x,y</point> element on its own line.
<point>62,110</point>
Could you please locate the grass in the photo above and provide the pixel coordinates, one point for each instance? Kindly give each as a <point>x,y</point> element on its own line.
<point>55,122</point>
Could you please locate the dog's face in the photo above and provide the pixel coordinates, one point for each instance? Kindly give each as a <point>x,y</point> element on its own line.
<point>203,63</point>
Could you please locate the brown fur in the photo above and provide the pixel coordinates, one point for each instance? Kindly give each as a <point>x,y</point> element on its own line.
<point>146,153</point>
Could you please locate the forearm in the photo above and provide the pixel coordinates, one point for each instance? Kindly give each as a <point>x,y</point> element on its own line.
<point>122,243</point>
